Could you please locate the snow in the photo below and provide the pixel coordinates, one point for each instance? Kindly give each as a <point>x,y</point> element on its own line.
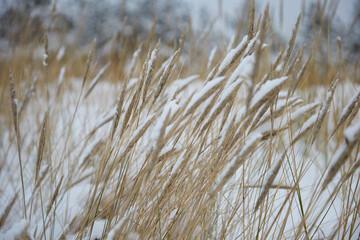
<point>325,106</point>
<point>265,89</point>
<point>61,76</point>
<point>279,67</point>
<point>244,69</point>
<point>252,42</point>
<point>305,127</point>
<point>336,163</point>
<point>182,83</point>
<point>162,67</point>
<point>98,228</point>
<point>301,111</point>
<point>45,59</point>
<point>200,95</point>
<point>238,160</point>
<point>352,133</point>
<point>72,200</point>
<point>229,90</point>
<point>211,57</point>
<point>176,167</point>
<point>351,104</point>
<point>249,144</point>
<point>132,83</point>
<point>93,111</point>
<point>272,172</point>
<point>134,59</point>
<point>230,56</point>
<point>140,128</point>
<point>221,102</point>
<point>97,78</point>
<point>230,120</point>
<point>156,133</point>
<point>207,104</point>
<point>231,43</point>
<point>60,54</point>
<point>15,231</point>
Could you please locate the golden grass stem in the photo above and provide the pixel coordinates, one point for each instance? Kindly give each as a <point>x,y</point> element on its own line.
<point>14,112</point>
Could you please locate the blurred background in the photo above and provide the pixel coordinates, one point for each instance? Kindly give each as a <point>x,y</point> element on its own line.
<point>74,24</point>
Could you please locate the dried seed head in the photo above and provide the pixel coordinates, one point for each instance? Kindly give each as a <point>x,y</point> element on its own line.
<point>352,136</point>
<point>7,210</point>
<point>54,196</point>
<point>88,62</point>
<point>164,77</point>
<point>150,70</point>
<point>269,180</point>
<point>41,145</point>
<point>238,160</point>
<point>324,108</point>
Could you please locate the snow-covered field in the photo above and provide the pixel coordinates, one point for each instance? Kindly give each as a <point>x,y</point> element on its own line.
<point>161,146</point>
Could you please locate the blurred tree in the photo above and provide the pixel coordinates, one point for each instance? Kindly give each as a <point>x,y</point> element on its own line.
<point>354,30</point>
<point>96,19</point>
<point>322,26</point>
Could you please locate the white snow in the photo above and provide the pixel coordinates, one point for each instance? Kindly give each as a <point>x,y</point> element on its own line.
<point>266,88</point>
<point>352,133</point>
<point>231,43</point>
<point>244,69</point>
<point>182,83</point>
<point>211,57</point>
<point>98,76</point>
<point>60,54</point>
<point>299,112</point>
<point>325,106</point>
<point>231,54</point>
<point>250,143</point>
<point>138,130</point>
<point>225,96</point>
<point>132,83</point>
<point>272,172</point>
<point>306,126</point>
<point>61,76</point>
<point>45,58</point>
<point>156,132</point>
<point>134,58</point>
<point>208,87</point>
<point>349,106</point>
<point>15,231</point>
<point>98,228</point>
<point>239,159</point>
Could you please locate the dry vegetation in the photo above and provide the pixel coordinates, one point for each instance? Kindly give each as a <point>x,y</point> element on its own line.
<point>185,145</point>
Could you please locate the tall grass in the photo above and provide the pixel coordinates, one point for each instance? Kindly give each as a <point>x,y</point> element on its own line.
<point>159,146</point>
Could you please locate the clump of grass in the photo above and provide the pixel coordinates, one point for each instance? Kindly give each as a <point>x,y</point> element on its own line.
<point>219,145</point>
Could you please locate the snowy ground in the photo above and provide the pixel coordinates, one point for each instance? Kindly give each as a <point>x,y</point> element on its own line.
<point>91,112</point>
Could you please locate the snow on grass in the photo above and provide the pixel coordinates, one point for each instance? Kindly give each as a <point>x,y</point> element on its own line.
<point>211,57</point>
<point>349,107</point>
<point>17,231</point>
<point>305,127</point>
<point>265,90</point>
<point>93,112</point>
<point>97,78</point>
<point>352,133</point>
<point>231,55</point>
<point>61,77</point>
<point>209,88</point>
<point>301,111</point>
<point>244,69</point>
